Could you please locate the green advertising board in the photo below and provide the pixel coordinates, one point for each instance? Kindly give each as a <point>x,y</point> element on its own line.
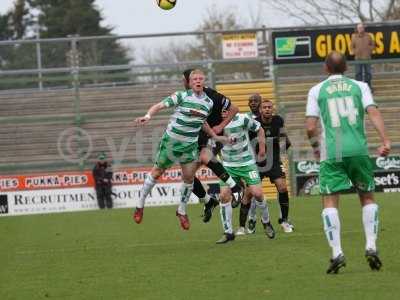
<point>379,163</point>
<point>386,175</point>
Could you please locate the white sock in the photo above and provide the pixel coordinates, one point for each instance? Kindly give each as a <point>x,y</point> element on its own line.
<point>330,218</point>
<point>370,221</point>
<point>186,190</point>
<point>231,182</point>
<point>264,210</point>
<point>252,210</point>
<point>226,217</point>
<point>148,185</point>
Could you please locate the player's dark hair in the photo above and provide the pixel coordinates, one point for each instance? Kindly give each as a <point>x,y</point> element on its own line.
<point>336,63</point>
<point>186,74</point>
<point>256,97</point>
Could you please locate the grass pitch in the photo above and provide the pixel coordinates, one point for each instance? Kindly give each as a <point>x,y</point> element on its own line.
<point>105,255</point>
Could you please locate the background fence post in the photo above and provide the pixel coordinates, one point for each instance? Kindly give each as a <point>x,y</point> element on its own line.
<point>74,64</point>
<point>39,57</point>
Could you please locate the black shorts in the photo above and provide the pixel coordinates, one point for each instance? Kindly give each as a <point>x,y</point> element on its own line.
<point>274,173</point>
<point>203,140</point>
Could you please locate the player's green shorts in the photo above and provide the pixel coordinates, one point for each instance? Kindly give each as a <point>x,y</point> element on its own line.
<point>171,151</point>
<point>336,176</point>
<point>249,174</point>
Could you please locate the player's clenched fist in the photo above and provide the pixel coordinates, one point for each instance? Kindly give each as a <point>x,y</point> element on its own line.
<point>384,149</point>
<point>142,120</point>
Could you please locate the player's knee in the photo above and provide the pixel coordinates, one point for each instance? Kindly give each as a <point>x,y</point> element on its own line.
<point>366,198</point>
<point>225,195</point>
<point>246,199</point>
<point>204,156</point>
<point>258,195</point>
<point>188,179</point>
<point>282,190</point>
<point>156,172</point>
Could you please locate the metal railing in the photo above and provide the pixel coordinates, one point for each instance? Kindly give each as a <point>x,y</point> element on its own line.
<point>51,63</point>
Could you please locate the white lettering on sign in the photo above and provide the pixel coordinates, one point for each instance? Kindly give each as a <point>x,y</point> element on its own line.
<point>8,183</point>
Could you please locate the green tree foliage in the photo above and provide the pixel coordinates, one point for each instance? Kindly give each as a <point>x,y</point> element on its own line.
<point>60,18</point>
<point>5,34</point>
<point>15,25</point>
<point>5,31</point>
<point>28,19</point>
<point>20,19</point>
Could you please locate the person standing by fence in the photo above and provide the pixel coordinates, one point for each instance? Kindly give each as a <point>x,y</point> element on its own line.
<point>102,175</point>
<point>362,46</point>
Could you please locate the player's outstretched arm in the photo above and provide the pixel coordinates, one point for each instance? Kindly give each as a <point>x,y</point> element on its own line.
<point>376,118</point>
<point>222,139</point>
<point>151,112</point>
<point>232,111</point>
<point>312,134</point>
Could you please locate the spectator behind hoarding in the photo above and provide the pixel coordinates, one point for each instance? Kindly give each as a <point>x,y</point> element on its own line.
<point>362,46</point>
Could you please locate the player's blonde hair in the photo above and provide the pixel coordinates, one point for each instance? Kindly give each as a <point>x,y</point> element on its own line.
<point>196,71</point>
<point>265,100</point>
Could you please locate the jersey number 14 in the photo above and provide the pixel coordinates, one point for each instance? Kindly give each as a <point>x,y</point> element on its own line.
<point>342,107</point>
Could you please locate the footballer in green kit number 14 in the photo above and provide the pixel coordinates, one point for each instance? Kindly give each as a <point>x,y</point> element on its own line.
<point>339,104</point>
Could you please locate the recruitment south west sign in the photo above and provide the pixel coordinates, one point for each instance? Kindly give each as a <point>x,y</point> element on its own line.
<point>74,191</point>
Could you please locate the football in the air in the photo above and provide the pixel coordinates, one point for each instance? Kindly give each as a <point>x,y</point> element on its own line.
<point>166,4</point>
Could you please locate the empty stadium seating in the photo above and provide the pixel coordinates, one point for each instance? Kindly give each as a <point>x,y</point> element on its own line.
<point>33,122</point>
<point>239,92</point>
